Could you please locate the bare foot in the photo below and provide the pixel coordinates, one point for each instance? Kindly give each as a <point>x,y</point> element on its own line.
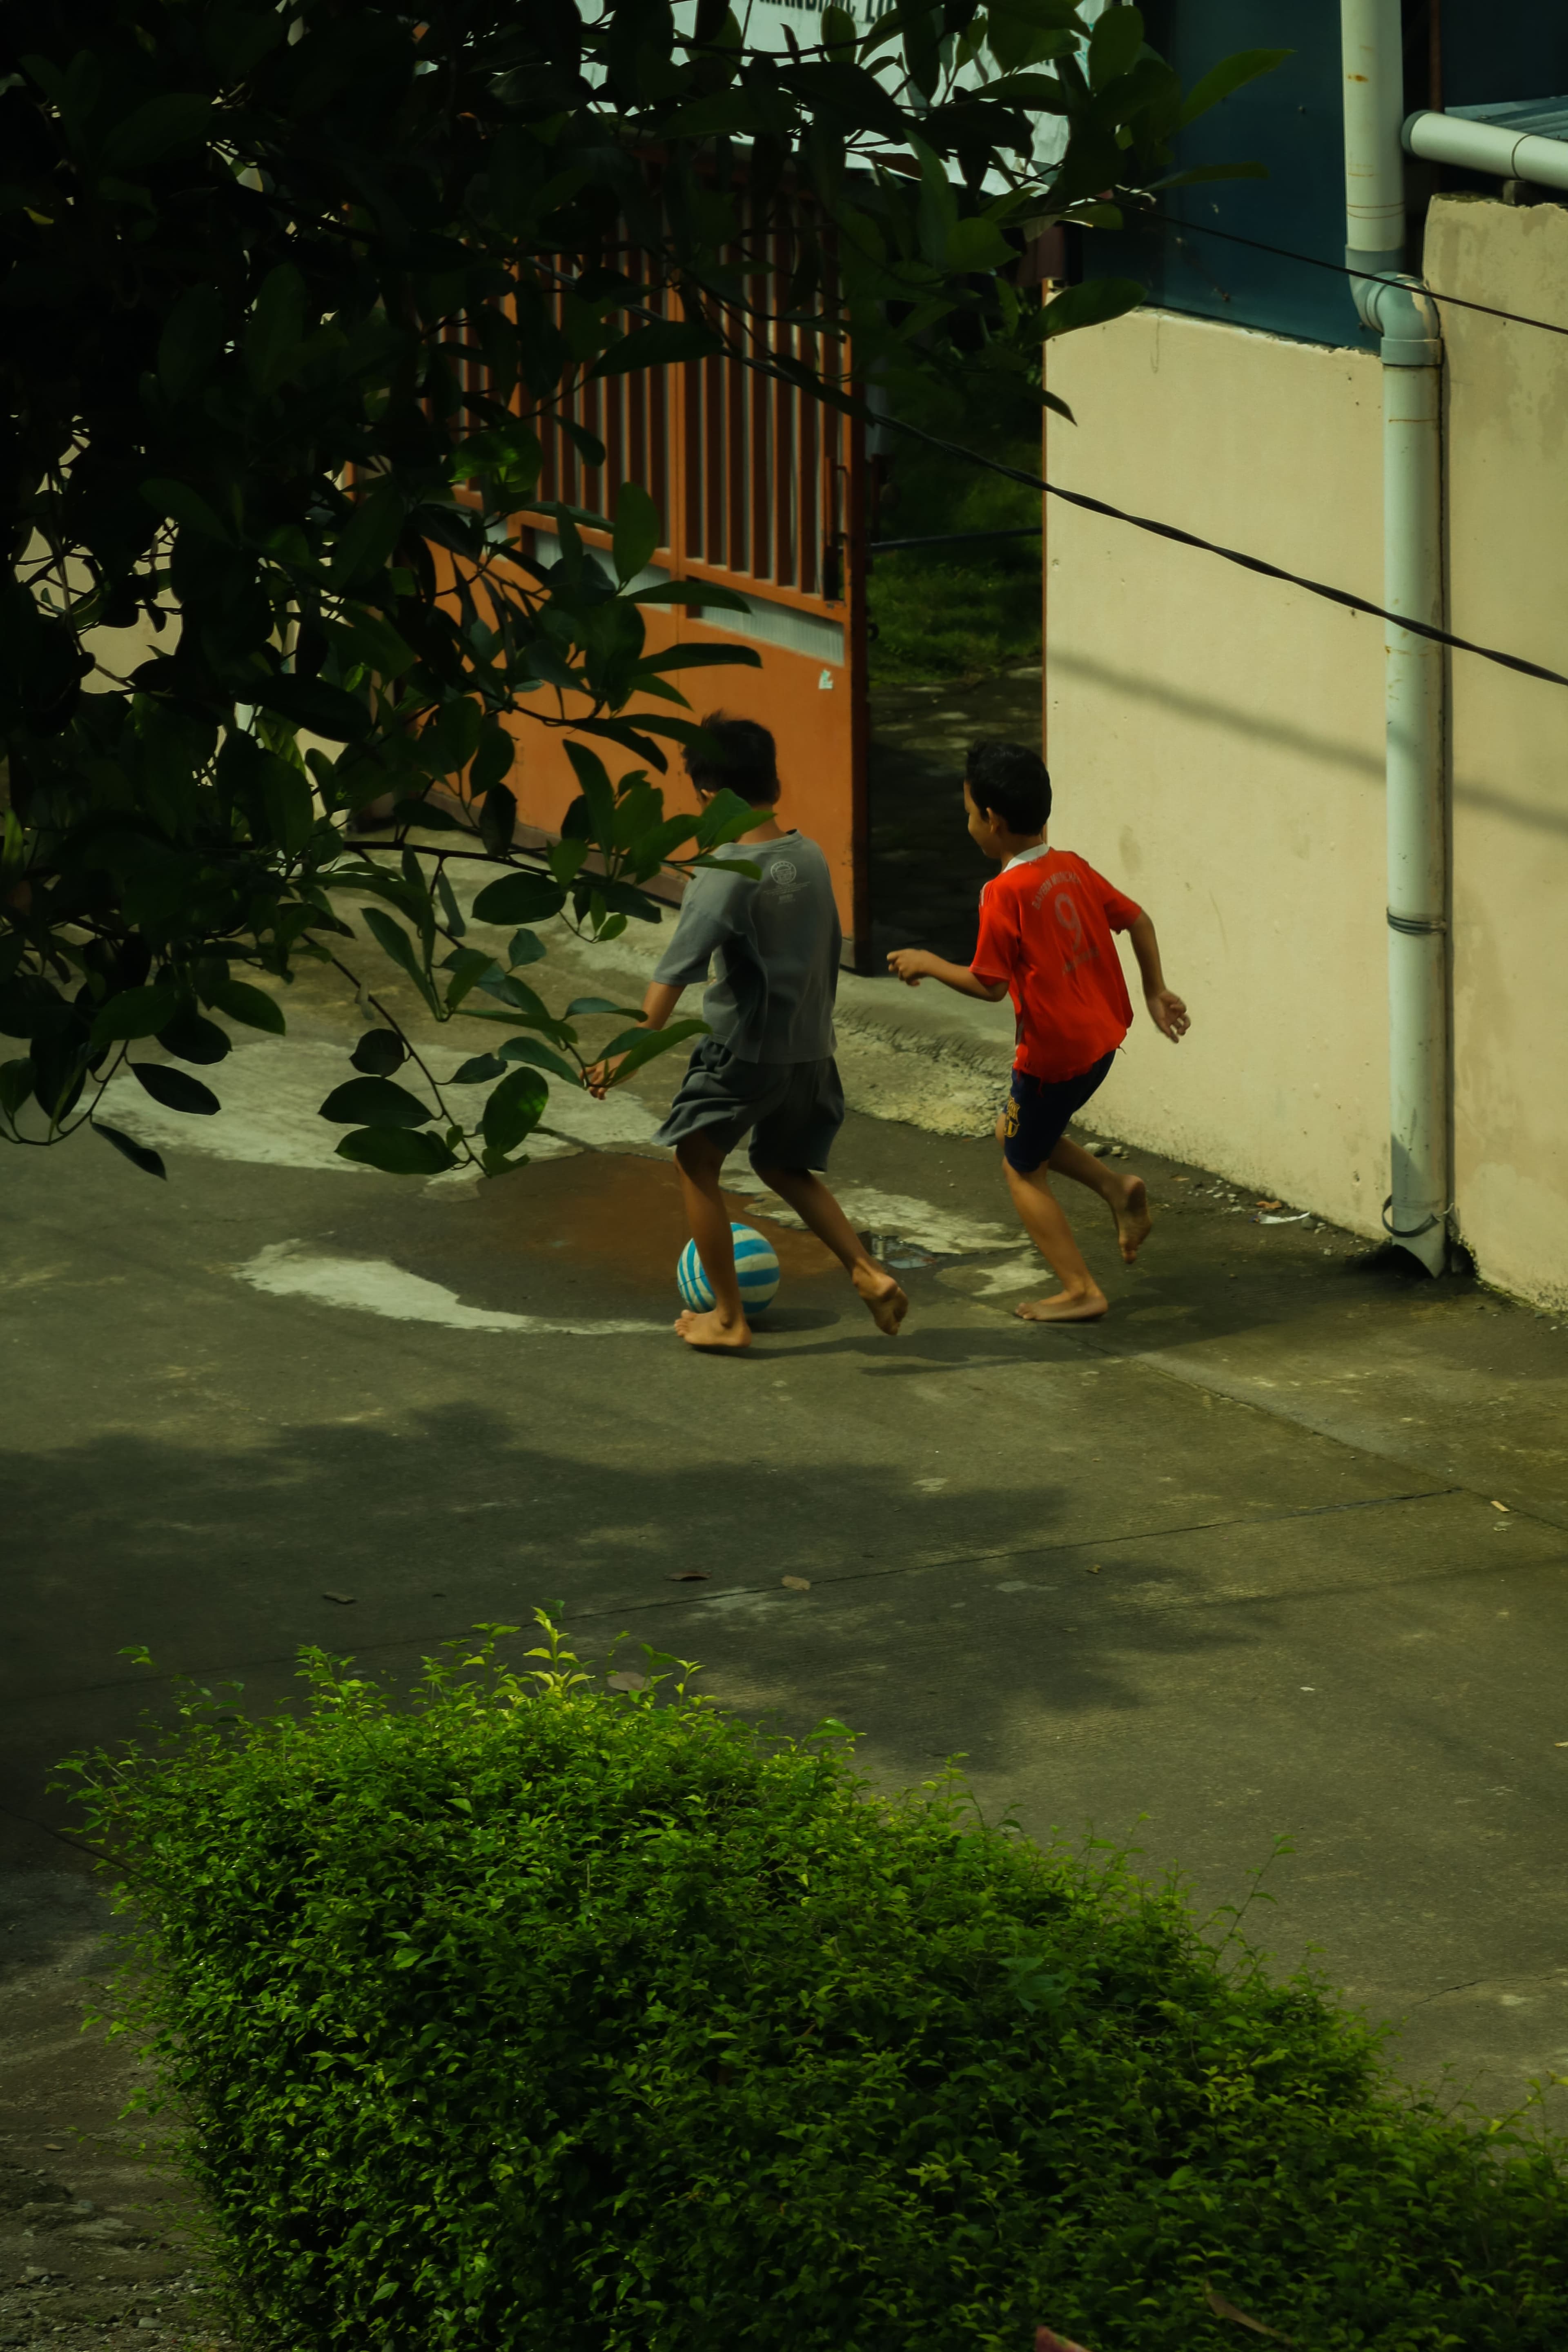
<point>1133,1222</point>
<point>882,1295</point>
<point>1065,1306</point>
<point>710,1331</point>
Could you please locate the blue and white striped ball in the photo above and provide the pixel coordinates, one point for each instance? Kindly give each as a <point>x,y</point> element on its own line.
<point>756,1267</point>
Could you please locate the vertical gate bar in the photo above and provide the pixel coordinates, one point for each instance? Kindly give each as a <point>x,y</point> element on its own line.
<point>612,392</point>
<point>735,500</point>
<point>692,389</point>
<point>714,533</point>
<point>761,438</point>
<point>784,438</point>
<point>851,439</point>
<point>814,456</point>
<point>660,478</point>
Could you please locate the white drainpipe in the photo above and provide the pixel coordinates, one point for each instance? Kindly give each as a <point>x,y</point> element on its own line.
<point>1417,1211</point>
<point>1489,147</point>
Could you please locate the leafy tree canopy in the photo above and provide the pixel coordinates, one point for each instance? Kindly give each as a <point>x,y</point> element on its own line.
<point>286,288</point>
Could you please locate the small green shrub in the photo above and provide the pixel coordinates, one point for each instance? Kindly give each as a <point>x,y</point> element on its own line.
<point>530,2015</point>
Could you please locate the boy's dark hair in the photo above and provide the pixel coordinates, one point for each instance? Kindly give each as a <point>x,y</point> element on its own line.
<point>748,760</point>
<point>1010,780</point>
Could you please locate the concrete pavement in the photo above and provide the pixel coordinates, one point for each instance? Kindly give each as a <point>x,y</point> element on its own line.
<point>1228,1569</point>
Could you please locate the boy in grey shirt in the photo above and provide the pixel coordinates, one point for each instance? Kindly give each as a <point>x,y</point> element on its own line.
<point>767,1070</point>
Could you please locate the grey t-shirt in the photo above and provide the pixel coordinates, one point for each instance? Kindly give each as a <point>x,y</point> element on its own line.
<point>776,941</point>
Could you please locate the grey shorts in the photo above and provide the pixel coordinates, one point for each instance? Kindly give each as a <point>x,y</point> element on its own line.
<point>790,1110</point>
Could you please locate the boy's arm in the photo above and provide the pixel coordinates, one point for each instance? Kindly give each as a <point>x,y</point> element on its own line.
<point>657,1004</point>
<point>912,965</point>
<point>1166,1010</point>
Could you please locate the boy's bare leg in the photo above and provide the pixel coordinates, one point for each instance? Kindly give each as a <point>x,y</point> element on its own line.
<point>1126,1197</point>
<point>810,1198</point>
<point>1080,1299</point>
<point>724,1324</point>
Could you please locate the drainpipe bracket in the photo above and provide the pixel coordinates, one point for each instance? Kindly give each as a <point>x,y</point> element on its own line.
<point>1417,926</point>
<point>1410,352</point>
<point>1439,1217</point>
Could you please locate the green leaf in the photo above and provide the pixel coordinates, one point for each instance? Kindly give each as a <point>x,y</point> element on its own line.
<point>691,656</point>
<point>1114,45</point>
<point>525,948</point>
<point>543,1057</point>
<point>395,942</point>
<point>15,1085</point>
<point>451,913</point>
<point>156,130</point>
<point>397,1151</point>
<point>191,1038</point>
<point>640,1046</point>
<point>374,1102</point>
<point>581,1006</point>
<point>184,506</point>
<point>311,702</point>
<point>289,805</point>
<point>379,1053</point>
<point>498,819</point>
<point>722,114</point>
<point>251,1005</point>
<point>1232,73</point>
<point>656,346</point>
<point>1021,32</point>
<point>450,741</point>
<point>637,532</point>
<point>377,642</point>
<point>975,245</point>
<point>468,967</point>
<point>477,1070</point>
<point>566,858</point>
<point>175,1090</point>
<point>191,341</point>
<point>137,1153</point>
<point>700,592</point>
<point>134,1013</point>
<point>369,537</point>
<point>519,995</point>
<point>839,30</point>
<point>519,898</point>
<point>937,214</point>
<point>723,819</point>
<point>598,792</point>
<point>493,759</point>
<point>1092,304</point>
<point>513,1109</point>
<point>276,328</point>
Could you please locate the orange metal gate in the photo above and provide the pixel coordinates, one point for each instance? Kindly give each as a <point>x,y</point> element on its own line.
<point>760,488</point>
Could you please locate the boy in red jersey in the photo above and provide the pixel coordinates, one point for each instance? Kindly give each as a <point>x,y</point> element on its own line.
<point>1046,925</point>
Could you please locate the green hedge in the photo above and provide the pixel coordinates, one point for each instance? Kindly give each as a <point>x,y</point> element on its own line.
<point>527,2014</point>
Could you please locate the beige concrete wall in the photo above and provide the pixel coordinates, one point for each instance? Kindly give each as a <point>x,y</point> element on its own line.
<point>1507,522</point>
<point>1214,740</point>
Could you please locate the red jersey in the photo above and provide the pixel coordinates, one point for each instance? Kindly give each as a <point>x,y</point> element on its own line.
<point>1045,922</point>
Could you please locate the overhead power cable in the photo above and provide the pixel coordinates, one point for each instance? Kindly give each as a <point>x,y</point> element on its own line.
<point>1344,596</point>
<point>1342,269</point>
<point>951,539</point>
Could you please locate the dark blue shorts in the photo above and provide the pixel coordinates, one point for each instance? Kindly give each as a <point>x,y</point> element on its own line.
<point>1038,1111</point>
<point>790,1110</point>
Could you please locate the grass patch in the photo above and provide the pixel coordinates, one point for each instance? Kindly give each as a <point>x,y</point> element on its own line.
<point>959,612</point>
<point>522,2014</point>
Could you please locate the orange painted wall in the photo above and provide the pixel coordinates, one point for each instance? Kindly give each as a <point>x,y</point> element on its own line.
<point>815,729</point>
